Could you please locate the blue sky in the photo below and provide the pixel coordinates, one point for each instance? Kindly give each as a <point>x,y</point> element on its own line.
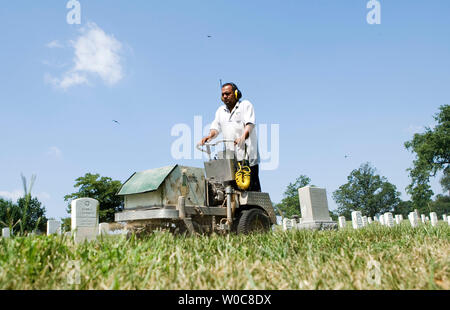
<point>334,84</point>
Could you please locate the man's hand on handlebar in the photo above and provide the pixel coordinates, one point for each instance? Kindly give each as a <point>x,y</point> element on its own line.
<point>203,141</point>
<point>212,134</point>
<point>240,141</point>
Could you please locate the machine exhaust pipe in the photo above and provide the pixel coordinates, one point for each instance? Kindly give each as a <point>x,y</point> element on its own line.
<point>181,207</point>
<point>229,193</point>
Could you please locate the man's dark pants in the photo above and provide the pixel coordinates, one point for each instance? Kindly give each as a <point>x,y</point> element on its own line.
<point>255,186</point>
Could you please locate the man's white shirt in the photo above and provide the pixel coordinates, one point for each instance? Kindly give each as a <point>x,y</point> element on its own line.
<point>231,125</point>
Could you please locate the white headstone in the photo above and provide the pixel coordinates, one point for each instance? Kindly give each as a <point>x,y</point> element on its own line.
<point>103,229</point>
<point>401,218</point>
<point>342,222</point>
<point>6,233</point>
<point>314,208</point>
<point>357,219</point>
<point>448,220</point>
<point>388,219</point>
<point>382,219</point>
<point>413,219</point>
<point>364,221</point>
<point>369,220</point>
<point>287,224</point>
<point>434,218</point>
<point>85,218</point>
<point>444,217</point>
<point>295,224</point>
<point>423,218</point>
<point>53,227</point>
<point>375,219</point>
<point>398,219</point>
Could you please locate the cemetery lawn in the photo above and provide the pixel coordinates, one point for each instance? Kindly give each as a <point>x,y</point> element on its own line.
<point>374,257</point>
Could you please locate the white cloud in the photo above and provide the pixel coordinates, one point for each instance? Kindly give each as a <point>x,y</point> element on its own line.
<point>72,79</point>
<point>54,151</point>
<point>95,54</point>
<point>412,129</point>
<point>68,80</point>
<point>16,194</point>
<point>43,196</point>
<point>54,64</point>
<point>54,44</point>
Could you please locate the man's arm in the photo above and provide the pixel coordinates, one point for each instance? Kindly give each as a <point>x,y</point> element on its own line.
<point>214,131</point>
<point>249,119</point>
<point>212,134</point>
<point>247,131</point>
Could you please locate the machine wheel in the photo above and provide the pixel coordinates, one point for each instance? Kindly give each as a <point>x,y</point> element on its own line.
<point>253,220</point>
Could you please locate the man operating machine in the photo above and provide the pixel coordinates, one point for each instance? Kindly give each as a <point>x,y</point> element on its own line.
<point>236,121</point>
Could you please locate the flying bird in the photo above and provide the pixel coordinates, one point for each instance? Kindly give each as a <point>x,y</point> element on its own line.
<point>209,36</point>
<point>115,121</point>
<point>346,156</point>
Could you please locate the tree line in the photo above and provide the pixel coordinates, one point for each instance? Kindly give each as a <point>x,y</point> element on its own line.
<point>372,194</point>
<point>26,215</point>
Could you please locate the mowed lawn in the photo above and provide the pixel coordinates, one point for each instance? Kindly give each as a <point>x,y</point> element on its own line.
<point>374,257</point>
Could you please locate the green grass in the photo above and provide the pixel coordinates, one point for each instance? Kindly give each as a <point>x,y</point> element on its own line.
<point>409,259</point>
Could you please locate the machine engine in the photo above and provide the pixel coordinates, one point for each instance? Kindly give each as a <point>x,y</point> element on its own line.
<point>216,193</point>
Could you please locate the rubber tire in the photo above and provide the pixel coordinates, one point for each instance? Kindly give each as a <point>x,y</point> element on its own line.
<point>253,221</point>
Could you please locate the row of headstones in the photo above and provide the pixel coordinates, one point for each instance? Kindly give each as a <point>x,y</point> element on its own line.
<point>290,224</point>
<point>414,219</point>
<point>387,219</point>
<point>54,227</point>
<point>84,218</point>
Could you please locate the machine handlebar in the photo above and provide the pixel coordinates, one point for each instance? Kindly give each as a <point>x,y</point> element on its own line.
<point>208,146</point>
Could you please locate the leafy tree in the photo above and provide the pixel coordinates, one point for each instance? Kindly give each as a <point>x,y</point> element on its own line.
<point>421,192</point>
<point>367,192</point>
<point>445,182</point>
<point>12,214</point>
<point>36,218</point>
<point>334,215</point>
<point>103,189</point>
<point>25,202</point>
<point>404,208</point>
<point>432,149</point>
<point>290,204</point>
<point>441,205</point>
<point>9,214</point>
<point>28,213</point>
<point>66,224</point>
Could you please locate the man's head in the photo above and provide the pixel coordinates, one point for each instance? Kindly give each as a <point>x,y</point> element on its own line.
<point>230,94</point>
